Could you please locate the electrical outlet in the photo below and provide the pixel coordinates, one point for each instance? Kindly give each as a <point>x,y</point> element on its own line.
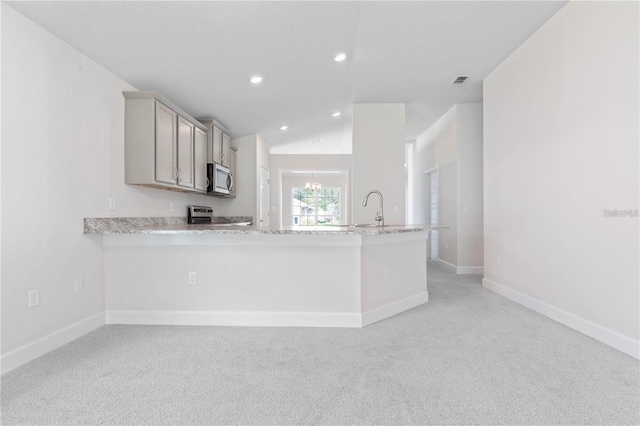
<point>79,286</point>
<point>387,274</point>
<point>396,209</point>
<point>498,260</point>
<point>112,203</point>
<point>170,207</point>
<point>193,278</point>
<point>34,298</point>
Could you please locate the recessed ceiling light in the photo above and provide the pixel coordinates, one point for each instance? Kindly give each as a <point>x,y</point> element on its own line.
<point>284,127</point>
<point>336,114</point>
<point>340,57</point>
<point>256,79</point>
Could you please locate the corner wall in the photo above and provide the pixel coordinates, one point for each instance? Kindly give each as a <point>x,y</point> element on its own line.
<point>560,146</point>
<point>470,198</point>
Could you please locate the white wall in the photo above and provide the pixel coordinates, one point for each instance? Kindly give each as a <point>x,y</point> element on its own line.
<point>301,162</point>
<point>560,145</point>
<point>378,161</point>
<point>1,271</point>
<point>62,158</point>
<point>453,146</point>
<point>422,159</point>
<point>470,210</point>
<point>436,148</point>
<point>245,181</point>
<point>445,133</point>
<point>333,143</point>
<point>252,153</point>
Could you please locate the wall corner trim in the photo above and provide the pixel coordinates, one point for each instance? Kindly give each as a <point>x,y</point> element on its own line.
<point>394,308</point>
<point>598,332</point>
<point>461,270</point>
<point>448,266</point>
<point>32,350</point>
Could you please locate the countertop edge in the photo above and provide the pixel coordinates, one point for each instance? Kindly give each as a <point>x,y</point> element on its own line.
<point>177,226</point>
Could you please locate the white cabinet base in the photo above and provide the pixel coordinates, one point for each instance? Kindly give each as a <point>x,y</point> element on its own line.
<point>264,280</point>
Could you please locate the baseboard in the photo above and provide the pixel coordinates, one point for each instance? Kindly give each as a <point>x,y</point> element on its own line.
<point>25,353</point>
<point>603,334</point>
<point>448,266</point>
<point>394,308</point>
<point>461,270</point>
<point>237,318</point>
<point>266,319</point>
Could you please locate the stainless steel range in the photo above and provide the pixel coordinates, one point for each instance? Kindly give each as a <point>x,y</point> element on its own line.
<point>199,214</point>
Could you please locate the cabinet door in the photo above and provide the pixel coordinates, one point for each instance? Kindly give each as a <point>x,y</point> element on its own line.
<point>224,149</point>
<point>216,138</point>
<point>200,160</point>
<point>185,153</point>
<point>166,137</point>
<point>232,167</point>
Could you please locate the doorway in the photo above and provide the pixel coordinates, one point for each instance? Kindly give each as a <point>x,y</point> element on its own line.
<point>432,197</point>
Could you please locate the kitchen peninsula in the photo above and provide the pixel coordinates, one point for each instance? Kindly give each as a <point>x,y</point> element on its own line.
<point>164,271</point>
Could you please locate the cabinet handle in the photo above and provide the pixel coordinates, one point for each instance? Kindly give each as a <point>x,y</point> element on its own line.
<point>179,175</point>
<point>174,173</point>
<point>206,179</point>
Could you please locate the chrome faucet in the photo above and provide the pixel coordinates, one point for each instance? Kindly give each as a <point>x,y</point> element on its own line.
<point>379,214</point>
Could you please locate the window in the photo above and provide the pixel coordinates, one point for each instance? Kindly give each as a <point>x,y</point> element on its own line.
<point>315,207</point>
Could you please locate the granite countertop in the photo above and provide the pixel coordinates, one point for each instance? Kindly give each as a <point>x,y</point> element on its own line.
<point>177,225</point>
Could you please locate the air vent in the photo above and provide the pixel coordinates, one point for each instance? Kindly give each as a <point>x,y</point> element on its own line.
<point>461,79</point>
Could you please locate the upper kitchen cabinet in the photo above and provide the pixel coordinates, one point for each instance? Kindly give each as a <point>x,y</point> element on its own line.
<point>225,153</point>
<point>218,142</point>
<point>164,146</point>
<point>165,143</point>
<point>186,133</point>
<point>200,161</point>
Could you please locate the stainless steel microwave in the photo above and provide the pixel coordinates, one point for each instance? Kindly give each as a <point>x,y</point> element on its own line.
<point>220,179</point>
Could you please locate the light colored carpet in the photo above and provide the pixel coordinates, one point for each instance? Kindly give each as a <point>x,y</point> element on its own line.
<point>469,356</point>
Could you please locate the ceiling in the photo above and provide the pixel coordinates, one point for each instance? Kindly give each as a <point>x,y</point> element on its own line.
<point>201,54</point>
